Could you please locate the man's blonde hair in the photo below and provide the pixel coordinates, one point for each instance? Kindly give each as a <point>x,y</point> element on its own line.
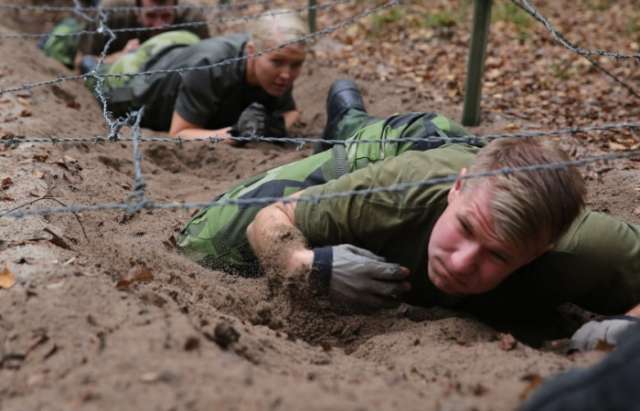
<point>528,206</point>
<point>277,27</point>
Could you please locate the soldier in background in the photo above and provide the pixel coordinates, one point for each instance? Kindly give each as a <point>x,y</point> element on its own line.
<point>81,51</point>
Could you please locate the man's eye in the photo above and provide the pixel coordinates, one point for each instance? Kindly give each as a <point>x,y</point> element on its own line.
<point>277,62</point>
<point>498,256</point>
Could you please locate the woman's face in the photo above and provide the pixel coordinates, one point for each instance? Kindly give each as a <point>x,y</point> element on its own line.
<point>276,71</point>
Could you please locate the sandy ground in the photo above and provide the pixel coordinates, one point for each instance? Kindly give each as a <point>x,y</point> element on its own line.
<point>75,335</point>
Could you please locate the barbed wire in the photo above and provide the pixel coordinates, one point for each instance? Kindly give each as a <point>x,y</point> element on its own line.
<point>177,7</point>
<point>559,37</point>
<point>302,39</point>
<point>585,53</point>
<point>221,19</point>
<point>261,201</point>
<point>301,141</point>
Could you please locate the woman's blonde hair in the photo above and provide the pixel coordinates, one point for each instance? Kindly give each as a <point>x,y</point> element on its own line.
<point>277,27</point>
<point>529,206</point>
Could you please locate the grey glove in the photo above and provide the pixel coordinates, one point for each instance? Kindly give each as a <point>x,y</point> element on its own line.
<point>251,122</point>
<point>608,331</point>
<point>358,276</point>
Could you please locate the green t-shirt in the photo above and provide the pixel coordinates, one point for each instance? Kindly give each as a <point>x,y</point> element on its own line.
<point>395,225</point>
<point>210,98</point>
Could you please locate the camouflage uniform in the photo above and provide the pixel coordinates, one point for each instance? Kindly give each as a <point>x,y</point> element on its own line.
<point>216,238</point>
<point>595,264</point>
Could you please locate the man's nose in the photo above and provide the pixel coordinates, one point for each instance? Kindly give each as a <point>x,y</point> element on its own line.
<point>285,73</point>
<point>465,259</point>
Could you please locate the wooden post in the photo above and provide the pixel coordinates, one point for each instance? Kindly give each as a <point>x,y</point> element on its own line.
<point>312,16</point>
<point>475,66</point>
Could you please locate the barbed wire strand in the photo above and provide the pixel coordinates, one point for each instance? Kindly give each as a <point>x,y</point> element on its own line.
<point>137,198</point>
<point>117,9</point>
<point>261,201</point>
<point>113,125</point>
<point>560,38</point>
<point>302,39</point>
<point>221,19</point>
<point>301,141</point>
<point>77,10</point>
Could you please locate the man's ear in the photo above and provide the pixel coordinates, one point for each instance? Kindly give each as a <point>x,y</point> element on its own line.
<point>456,189</point>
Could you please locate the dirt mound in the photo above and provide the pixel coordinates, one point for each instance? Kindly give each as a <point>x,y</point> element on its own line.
<point>106,315</point>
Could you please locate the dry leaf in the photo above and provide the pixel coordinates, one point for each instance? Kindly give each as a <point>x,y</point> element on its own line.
<point>57,240</point>
<point>7,278</point>
<point>6,183</point>
<point>137,274</point>
<point>534,381</point>
<point>42,157</point>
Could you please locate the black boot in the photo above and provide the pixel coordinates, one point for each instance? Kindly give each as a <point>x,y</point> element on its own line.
<point>343,95</point>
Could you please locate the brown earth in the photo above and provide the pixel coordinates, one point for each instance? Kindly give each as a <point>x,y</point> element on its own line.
<point>106,315</point>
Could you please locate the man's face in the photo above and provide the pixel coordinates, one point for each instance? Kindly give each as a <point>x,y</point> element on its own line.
<point>276,71</point>
<point>154,18</point>
<point>465,256</point>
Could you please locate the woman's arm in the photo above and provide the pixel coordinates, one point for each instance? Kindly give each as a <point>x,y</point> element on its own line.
<point>188,131</point>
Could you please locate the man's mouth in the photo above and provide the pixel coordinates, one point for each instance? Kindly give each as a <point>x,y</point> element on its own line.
<point>451,282</point>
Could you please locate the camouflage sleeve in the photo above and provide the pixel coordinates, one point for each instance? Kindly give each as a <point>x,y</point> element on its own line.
<point>367,220</point>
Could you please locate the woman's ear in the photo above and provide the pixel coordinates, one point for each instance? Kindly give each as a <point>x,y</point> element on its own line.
<point>250,48</point>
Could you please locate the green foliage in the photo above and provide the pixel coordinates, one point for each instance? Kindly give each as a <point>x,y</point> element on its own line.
<point>448,18</point>
<point>633,26</point>
<point>508,12</point>
<point>598,5</point>
<point>381,20</point>
<point>440,19</point>
<point>561,71</point>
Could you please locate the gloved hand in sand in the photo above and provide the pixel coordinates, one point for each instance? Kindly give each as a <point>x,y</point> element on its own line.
<point>607,331</point>
<point>358,277</point>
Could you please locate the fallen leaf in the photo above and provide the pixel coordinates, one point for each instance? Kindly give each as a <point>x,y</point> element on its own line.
<point>137,274</point>
<point>507,342</point>
<point>534,381</point>
<point>57,240</point>
<point>41,157</point>
<point>617,146</point>
<point>7,278</point>
<point>73,104</point>
<point>6,183</point>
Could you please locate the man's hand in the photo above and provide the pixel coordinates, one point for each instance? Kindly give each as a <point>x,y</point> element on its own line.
<point>606,331</point>
<point>251,122</point>
<point>357,276</point>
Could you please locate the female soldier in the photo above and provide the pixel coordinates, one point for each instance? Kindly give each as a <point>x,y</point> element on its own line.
<point>238,91</point>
